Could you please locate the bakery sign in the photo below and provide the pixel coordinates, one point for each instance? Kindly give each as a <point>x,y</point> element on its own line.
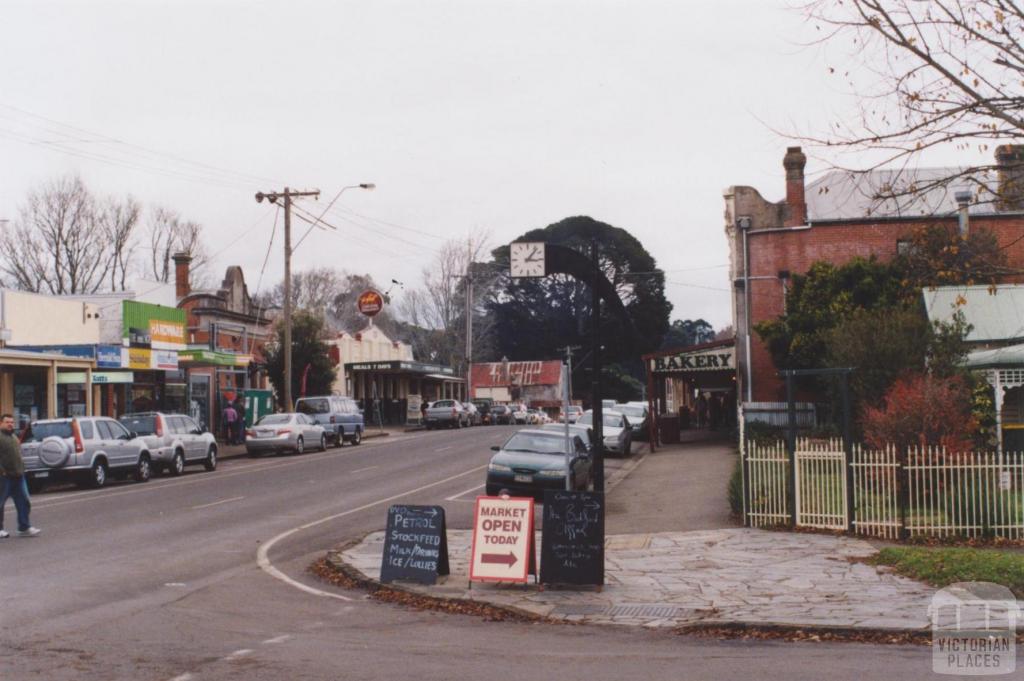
<point>713,359</point>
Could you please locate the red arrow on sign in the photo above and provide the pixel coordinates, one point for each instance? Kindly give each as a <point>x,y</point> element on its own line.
<point>509,559</point>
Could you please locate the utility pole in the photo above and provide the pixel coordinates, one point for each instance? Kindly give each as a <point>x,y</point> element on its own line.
<point>273,197</point>
<point>595,359</point>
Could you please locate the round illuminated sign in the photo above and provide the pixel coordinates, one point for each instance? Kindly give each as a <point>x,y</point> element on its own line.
<point>370,302</point>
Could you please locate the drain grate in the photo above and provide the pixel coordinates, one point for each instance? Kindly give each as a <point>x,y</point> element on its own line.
<point>655,611</point>
<point>659,611</point>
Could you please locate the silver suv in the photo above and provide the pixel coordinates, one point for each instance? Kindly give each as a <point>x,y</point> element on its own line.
<point>85,449</point>
<point>173,440</point>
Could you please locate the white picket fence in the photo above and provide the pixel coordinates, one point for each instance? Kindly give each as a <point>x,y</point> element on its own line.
<point>930,492</point>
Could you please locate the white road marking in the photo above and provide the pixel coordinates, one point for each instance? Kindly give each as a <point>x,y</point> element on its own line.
<point>175,584</point>
<point>182,677</point>
<point>76,497</point>
<point>263,561</point>
<point>455,497</point>
<point>241,652</point>
<point>360,470</point>
<point>277,639</point>
<point>217,503</point>
<point>444,449</point>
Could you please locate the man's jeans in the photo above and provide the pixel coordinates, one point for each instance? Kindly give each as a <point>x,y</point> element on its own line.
<point>17,489</point>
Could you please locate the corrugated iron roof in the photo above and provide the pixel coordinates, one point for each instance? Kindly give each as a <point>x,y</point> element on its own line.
<point>995,315</point>
<point>1010,355</point>
<point>892,193</point>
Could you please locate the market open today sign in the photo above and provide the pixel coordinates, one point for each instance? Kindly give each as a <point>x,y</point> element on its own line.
<point>502,540</point>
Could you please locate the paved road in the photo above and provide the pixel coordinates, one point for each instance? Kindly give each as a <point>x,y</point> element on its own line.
<point>160,581</point>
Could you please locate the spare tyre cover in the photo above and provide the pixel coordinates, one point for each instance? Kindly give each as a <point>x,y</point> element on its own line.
<point>54,452</point>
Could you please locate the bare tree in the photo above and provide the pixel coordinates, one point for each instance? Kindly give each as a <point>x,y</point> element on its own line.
<point>440,305</point>
<point>118,220</point>
<point>170,234</point>
<point>933,74</point>
<point>58,244</point>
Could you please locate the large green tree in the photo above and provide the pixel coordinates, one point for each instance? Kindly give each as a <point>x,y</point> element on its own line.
<point>308,350</point>
<point>533,318</point>
<point>686,332</point>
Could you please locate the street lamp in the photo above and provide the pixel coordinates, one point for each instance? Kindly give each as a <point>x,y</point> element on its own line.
<point>368,186</point>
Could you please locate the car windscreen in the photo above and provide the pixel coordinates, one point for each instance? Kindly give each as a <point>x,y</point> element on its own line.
<point>611,419</point>
<point>274,419</point>
<point>40,431</point>
<point>535,442</point>
<point>637,412</point>
<point>143,425</point>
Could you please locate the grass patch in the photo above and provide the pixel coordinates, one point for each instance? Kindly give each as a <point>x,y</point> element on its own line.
<point>944,566</point>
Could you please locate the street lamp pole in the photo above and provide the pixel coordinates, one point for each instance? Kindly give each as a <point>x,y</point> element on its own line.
<point>287,195</point>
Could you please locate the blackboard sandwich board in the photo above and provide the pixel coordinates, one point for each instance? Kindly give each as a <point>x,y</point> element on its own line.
<point>572,539</point>
<point>415,545</point>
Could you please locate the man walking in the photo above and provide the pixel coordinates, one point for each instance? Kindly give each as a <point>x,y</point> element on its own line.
<point>12,468</point>
<point>230,416</point>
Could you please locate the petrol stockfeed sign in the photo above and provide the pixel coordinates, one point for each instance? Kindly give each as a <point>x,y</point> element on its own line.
<point>502,540</point>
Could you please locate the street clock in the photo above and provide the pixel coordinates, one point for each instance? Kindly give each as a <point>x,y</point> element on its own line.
<point>526,259</point>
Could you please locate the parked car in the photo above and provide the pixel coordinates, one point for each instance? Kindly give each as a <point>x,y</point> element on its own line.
<point>341,417</point>
<point>534,417</point>
<point>618,438</point>
<point>501,414</point>
<point>638,418</point>
<point>484,405</point>
<point>173,441</point>
<point>289,432</point>
<point>572,414</point>
<point>584,432</point>
<point>449,413</point>
<point>475,418</point>
<point>87,450</point>
<point>532,461</point>
<point>519,414</point>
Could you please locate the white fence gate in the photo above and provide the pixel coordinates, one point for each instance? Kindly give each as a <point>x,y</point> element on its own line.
<point>821,484</point>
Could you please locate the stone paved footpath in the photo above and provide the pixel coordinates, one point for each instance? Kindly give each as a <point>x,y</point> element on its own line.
<point>713,576</point>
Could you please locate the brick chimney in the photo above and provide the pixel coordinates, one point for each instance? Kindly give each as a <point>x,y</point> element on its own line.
<point>181,283</point>
<point>795,213</point>
<point>1010,160</point>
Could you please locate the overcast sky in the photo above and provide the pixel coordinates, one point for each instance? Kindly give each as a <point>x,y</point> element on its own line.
<point>475,116</point>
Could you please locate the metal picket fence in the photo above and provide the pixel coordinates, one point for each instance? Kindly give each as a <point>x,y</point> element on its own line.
<point>926,492</point>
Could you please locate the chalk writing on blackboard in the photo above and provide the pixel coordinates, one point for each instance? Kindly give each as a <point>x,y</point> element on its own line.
<point>415,545</point>
<point>572,543</point>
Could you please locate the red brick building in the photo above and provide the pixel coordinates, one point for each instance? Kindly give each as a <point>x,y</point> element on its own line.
<point>835,218</point>
<point>226,335</point>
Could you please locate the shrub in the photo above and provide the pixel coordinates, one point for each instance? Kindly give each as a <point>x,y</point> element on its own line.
<point>735,490</point>
<point>923,410</point>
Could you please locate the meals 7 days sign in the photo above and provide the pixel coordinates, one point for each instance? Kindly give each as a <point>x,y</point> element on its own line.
<point>502,540</point>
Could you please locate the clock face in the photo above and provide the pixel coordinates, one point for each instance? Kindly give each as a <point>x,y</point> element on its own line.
<point>526,259</point>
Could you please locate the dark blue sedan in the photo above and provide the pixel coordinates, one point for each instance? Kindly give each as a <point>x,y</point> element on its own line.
<point>532,461</point>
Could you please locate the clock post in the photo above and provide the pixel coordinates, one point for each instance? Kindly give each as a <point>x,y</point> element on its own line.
<point>532,259</point>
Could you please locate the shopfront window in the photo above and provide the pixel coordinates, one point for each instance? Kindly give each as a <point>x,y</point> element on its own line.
<point>30,396</point>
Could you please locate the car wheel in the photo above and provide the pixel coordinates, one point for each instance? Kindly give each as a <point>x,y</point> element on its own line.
<point>177,466</point>
<point>35,485</point>
<point>211,459</point>
<point>98,475</point>
<point>357,437</point>
<point>323,443</point>
<point>143,470</point>
<point>492,490</point>
<point>253,454</point>
<point>300,446</point>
